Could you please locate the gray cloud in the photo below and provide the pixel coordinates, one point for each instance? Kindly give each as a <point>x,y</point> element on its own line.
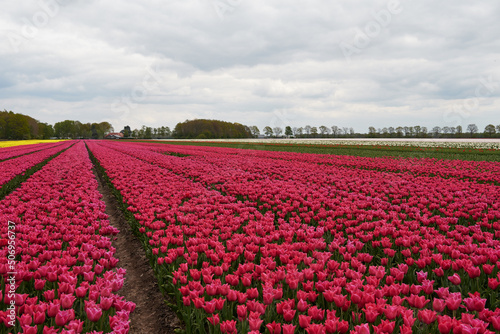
<point>255,62</point>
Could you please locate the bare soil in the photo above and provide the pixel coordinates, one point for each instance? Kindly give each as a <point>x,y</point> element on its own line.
<point>151,315</point>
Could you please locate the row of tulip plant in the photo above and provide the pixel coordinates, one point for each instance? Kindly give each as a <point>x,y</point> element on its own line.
<point>11,168</point>
<point>15,151</point>
<point>58,272</point>
<point>249,242</point>
<point>483,171</point>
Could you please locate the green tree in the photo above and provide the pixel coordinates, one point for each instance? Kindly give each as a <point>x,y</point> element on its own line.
<point>268,131</point>
<point>3,127</point>
<point>314,131</point>
<point>18,127</point>
<point>45,130</point>
<point>211,129</point>
<point>148,133</point>
<point>288,131</point>
<point>489,130</point>
<point>93,129</point>
<point>472,129</point>
<point>126,131</point>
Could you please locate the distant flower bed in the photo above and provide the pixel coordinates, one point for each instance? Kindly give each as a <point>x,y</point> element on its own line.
<point>431,143</point>
<point>26,142</point>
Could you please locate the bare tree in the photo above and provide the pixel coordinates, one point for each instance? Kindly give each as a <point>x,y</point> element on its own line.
<point>324,130</point>
<point>418,130</point>
<point>255,131</point>
<point>406,131</point>
<point>423,131</point>
<point>335,130</point>
<point>399,131</point>
<point>277,131</point>
<point>307,130</point>
<point>436,131</point>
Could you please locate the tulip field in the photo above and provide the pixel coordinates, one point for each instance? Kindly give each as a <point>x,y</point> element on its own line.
<point>57,266</point>
<point>253,241</point>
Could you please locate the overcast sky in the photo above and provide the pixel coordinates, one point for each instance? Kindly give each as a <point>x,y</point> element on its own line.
<point>349,63</point>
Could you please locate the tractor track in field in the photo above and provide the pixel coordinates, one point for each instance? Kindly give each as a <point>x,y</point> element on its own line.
<point>152,315</point>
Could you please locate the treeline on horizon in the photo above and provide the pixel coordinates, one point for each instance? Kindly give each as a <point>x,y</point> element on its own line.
<point>210,129</point>
<point>471,131</point>
<point>19,126</point>
<point>15,126</point>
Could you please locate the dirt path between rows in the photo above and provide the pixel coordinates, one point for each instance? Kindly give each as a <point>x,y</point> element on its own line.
<point>151,315</point>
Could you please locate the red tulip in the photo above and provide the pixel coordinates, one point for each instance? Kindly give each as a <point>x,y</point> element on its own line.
<point>254,323</point>
<point>30,329</point>
<point>67,300</point>
<point>304,321</point>
<point>453,301</point>
<point>39,318</point>
<point>241,310</point>
<point>274,328</point>
<point>288,315</point>
<point>475,303</point>
<point>228,326</point>
<point>63,317</point>
<point>362,329</point>
<point>288,329</point>
<point>455,279</point>
<point>427,316</point>
<point>214,319</point>
<point>316,329</point>
<point>94,313</point>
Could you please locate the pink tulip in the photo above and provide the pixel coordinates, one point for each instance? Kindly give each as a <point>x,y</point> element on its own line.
<point>94,313</point>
